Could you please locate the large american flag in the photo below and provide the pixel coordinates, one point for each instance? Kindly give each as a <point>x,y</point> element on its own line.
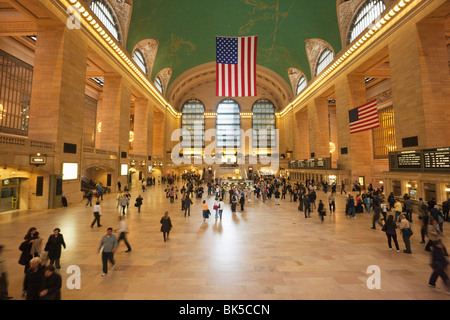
<point>364,117</point>
<point>236,66</point>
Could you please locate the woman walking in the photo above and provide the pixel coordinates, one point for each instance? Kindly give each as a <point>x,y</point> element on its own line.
<point>53,246</point>
<point>31,236</point>
<point>97,214</point>
<point>390,228</point>
<point>166,225</point>
<point>405,228</point>
<point>138,203</point>
<point>205,210</point>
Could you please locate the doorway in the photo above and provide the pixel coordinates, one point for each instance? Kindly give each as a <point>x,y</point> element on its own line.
<point>9,194</point>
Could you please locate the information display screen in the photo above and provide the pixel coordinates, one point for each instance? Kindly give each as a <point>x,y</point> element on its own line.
<point>437,158</point>
<point>409,159</point>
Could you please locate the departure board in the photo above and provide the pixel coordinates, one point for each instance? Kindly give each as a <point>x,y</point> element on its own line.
<point>437,158</point>
<point>409,159</point>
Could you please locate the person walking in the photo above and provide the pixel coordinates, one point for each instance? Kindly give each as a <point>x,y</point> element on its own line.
<point>242,200</point>
<point>97,214</point>
<point>216,207</point>
<point>433,233</point>
<point>437,215</point>
<point>123,231</point>
<point>123,202</point>
<point>343,187</point>
<point>384,210</point>
<point>277,197</point>
<point>3,277</point>
<point>138,204</point>
<point>351,206</point>
<point>376,215</point>
<point>234,202</point>
<point>398,209</point>
<point>51,285</point>
<point>53,247</point>
<point>32,283</point>
<point>166,225</point>
<point>205,211</point>
<point>89,198</point>
<point>439,265</point>
<point>307,206</point>
<point>408,208</point>
<point>321,210</point>
<point>390,228</point>
<point>221,206</point>
<point>187,206</point>
<point>109,245</point>
<point>332,203</point>
<point>26,255</point>
<point>405,228</point>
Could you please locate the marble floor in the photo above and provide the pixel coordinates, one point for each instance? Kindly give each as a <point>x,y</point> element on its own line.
<point>266,252</point>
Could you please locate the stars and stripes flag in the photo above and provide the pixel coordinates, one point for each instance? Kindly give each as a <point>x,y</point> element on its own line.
<point>236,66</point>
<point>364,117</point>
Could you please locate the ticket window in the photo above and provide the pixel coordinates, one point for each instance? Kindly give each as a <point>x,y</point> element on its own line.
<point>397,188</point>
<point>447,193</point>
<point>332,179</point>
<point>430,191</point>
<point>411,189</point>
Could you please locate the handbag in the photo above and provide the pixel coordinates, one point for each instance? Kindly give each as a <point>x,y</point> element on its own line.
<point>215,208</point>
<point>407,232</point>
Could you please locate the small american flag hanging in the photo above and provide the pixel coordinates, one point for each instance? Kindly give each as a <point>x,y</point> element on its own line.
<point>364,117</point>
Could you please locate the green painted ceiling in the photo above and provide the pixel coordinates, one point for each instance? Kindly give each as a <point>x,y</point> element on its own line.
<point>186,30</point>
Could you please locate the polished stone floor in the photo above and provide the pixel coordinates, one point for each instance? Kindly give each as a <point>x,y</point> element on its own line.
<point>267,252</point>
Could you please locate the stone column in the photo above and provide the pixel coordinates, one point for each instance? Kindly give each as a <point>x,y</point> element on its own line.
<point>114,115</point>
<point>59,77</point>
<point>143,128</point>
<point>301,150</point>
<point>421,84</point>
<point>350,94</point>
<point>319,132</point>
<point>57,102</point>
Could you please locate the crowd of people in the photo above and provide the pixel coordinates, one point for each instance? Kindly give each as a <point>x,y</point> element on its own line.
<point>393,215</point>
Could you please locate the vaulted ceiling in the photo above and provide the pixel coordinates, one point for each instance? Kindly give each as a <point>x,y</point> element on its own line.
<point>186,30</point>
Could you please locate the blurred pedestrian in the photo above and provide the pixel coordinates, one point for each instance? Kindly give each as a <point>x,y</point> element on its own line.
<point>3,277</point>
<point>166,225</point>
<point>123,231</point>
<point>439,265</point>
<point>32,283</point>
<point>51,285</point>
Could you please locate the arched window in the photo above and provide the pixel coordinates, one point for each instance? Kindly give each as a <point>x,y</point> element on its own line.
<point>264,124</point>
<point>138,57</point>
<point>159,84</point>
<point>104,12</point>
<point>228,125</point>
<point>301,84</point>
<point>325,58</point>
<point>366,15</point>
<point>193,121</point>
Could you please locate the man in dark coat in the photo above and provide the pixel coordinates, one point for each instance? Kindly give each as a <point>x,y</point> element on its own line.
<point>53,246</point>
<point>51,285</point>
<point>32,284</point>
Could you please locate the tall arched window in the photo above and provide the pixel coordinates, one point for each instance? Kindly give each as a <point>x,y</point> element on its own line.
<point>366,15</point>
<point>159,84</point>
<point>104,12</point>
<point>301,84</point>
<point>193,121</point>
<point>264,124</point>
<point>228,125</point>
<point>138,57</point>
<point>325,58</point>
